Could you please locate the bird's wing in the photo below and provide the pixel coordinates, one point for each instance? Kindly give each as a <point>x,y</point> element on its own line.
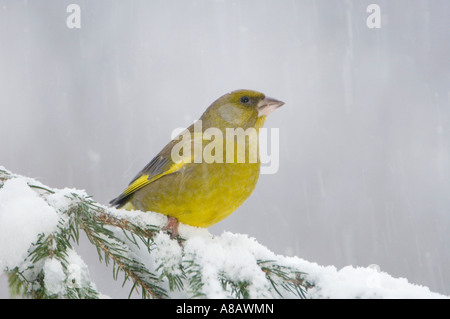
<point>158,167</point>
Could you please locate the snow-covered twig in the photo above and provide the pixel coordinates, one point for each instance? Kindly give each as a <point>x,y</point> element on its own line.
<point>156,264</point>
<point>39,225</point>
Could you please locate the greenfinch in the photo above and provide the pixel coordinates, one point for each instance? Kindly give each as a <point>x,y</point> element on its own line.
<point>212,177</point>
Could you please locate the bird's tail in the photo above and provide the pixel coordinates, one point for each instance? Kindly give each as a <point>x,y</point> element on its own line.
<point>121,201</point>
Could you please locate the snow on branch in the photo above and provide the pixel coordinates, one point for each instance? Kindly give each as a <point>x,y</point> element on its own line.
<point>39,226</point>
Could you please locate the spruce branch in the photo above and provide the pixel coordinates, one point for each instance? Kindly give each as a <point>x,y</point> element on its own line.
<point>94,220</point>
<point>193,272</point>
<point>237,289</point>
<point>155,264</point>
<point>31,279</point>
<point>285,277</point>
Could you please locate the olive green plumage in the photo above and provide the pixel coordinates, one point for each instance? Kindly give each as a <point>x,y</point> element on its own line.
<point>202,194</point>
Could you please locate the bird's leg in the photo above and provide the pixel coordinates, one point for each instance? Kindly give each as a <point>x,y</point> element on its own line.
<point>172,226</point>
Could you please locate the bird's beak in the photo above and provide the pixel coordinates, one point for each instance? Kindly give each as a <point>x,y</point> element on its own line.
<point>267,106</point>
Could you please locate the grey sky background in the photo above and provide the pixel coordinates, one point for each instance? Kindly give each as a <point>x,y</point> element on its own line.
<point>364,174</point>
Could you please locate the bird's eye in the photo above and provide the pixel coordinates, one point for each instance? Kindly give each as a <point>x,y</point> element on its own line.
<point>245,99</point>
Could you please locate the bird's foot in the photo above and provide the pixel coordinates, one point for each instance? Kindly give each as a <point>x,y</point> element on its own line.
<point>172,227</point>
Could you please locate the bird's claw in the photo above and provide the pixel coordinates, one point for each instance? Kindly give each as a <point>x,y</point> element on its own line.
<point>172,227</point>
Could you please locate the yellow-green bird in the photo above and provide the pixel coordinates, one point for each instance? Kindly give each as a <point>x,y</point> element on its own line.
<point>200,192</point>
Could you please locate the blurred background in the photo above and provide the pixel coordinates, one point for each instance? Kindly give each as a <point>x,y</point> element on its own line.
<point>364,173</point>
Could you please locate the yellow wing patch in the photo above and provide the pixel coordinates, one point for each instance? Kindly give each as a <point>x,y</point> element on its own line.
<point>145,180</point>
<point>138,183</point>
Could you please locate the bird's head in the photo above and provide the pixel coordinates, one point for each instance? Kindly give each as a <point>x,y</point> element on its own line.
<point>241,108</point>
